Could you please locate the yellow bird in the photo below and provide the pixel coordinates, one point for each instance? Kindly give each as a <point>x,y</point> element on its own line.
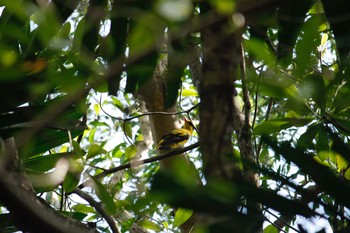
<point>176,138</point>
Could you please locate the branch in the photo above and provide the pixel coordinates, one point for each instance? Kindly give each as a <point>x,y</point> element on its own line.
<point>149,114</point>
<point>30,213</point>
<point>98,208</point>
<point>247,104</point>
<point>138,163</point>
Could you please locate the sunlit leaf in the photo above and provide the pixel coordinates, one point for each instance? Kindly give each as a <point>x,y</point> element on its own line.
<point>95,149</point>
<point>118,103</point>
<point>324,39</point>
<point>97,109</point>
<point>83,208</point>
<point>224,6</point>
<point>271,229</point>
<point>342,164</point>
<point>181,216</point>
<point>130,151</point>
<point>147,224</point>
<point>347,174</point>
<point>189,92</point>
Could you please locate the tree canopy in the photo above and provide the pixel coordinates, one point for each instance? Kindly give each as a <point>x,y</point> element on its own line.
<point>88,88</point>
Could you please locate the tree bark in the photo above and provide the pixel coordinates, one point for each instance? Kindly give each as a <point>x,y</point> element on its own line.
<point>219,115</point>
<point>221,58</point>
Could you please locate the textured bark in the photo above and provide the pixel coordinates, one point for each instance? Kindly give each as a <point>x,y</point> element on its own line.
<point>221,57</point>
<point>153,94</point>
<point>219,114</point>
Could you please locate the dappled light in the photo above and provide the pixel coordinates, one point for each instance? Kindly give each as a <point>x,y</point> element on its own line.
<point>175,116</point>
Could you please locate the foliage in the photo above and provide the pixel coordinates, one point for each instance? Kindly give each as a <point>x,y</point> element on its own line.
<point>70,76</point>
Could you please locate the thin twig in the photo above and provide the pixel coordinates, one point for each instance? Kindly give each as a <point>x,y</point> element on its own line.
<point>138,163</point>
<point>150,113</point>
<point>256,97</point>
<point>98,207</point>
<point>247,104</point>
<point>268,111</point>
<point>275,225</point>
<point>126,136</point>
<point>280,219</point>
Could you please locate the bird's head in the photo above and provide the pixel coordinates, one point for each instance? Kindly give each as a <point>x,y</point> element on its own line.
<point>188,124</point>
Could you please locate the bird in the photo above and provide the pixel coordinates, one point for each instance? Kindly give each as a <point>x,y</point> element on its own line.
<point>177,137</point>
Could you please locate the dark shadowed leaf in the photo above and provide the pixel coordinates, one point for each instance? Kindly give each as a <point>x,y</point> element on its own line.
<point>104,196</point>
<point>276,125</point>
<point>324,177</point>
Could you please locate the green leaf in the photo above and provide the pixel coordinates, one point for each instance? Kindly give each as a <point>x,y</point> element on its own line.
<point>95,149</point>
<point>224,7</point>
<point>274,126</point>
<point>271,229</point>
<point>127,130</point>
<point>78,35</point>
<point>147,224</point>
<point>43,163</point>
<point>189,93</point>
<point>83,208</point>
<point>342,164</point>
<point>104,196</point>
<point>314,87</point>
<point>76,215</point>
<point>306,139</point>
<point>306,45</point>
<point>297,107</point>
<point>77,149</point>
<point>118,103</point>
<point>289,29</point>
<point>65,30</point>
<point>130,151</point>
<point>261,51</point>
<point>322,140</point>
<point>48,139</point>
<point>92,135</point>
<point>70,182</point>
<point>181,216</point>
<point>220,196</point>
<point>342,125</point>
<point>321,175</point>
<point>97,108</point>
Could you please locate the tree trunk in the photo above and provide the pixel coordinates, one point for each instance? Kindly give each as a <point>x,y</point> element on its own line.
<point>219,115</point>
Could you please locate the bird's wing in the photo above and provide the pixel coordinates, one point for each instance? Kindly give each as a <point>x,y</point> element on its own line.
<point>176,138</point>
